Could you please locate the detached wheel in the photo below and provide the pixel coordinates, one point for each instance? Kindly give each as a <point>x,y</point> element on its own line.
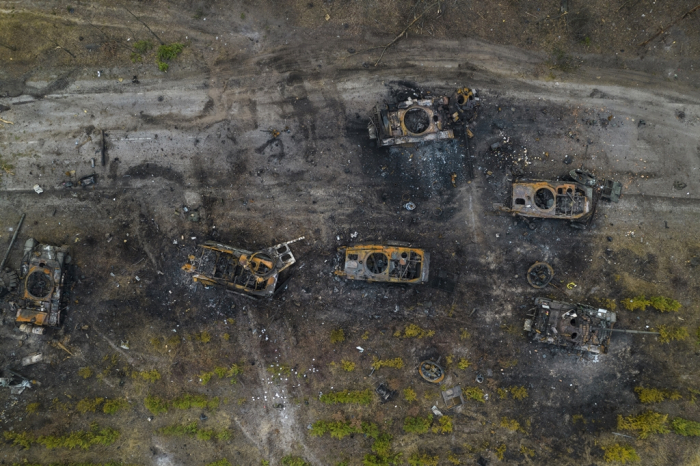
<point>540,274</point>
<point>8,281</point>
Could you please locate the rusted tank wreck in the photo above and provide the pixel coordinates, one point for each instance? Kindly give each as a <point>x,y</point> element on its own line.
<point>577,327</point>
<point>43,273</point>
<point>253,274</point>
<point>421,119</point>
<point>573,199</point>
<point>392,262</point>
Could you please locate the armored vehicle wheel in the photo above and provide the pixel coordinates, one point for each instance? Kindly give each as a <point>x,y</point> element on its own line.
<point>8,281</point>
<point>540,274</point>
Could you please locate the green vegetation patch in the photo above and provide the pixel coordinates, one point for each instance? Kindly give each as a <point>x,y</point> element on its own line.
<point>167,53</point>
<point>444,425</point>
<point>362,397</point>
<point>417,425</point>
<point>32,408</point>
<point>151,376</point>
<point>85,372</point>
<point>655,395</point>
<point>669,334</point>
<point>193,430</point>
<point>423,459</point>
<point>222,373</point>
<point>463,363</point>
<point>83,439</point>
<point>409,394</point>
<point>290,460</point>
<point>518,393</point>
<point>660,303</point>
<point>510,424</point>
<point>685,427</point>
<point>341,429</point>
<point>156,404</point>
<point>221,462</point>
<point>620,453</point>
<point>474,393</point>
<point>188,401</point>
<point>348,366</point>
<point>143,46</point>
<point>114,406</point>
<point>337,335</point>
<point>396,363</point>
<point>87,404</point>
<point>414,331</point>
<point>645,424</point>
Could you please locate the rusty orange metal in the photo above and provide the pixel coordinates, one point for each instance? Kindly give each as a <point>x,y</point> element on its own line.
<point>393,263</point>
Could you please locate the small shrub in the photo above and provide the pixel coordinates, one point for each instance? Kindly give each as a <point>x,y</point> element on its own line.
<point>396,363</point>
<point>194,431</point>
<point>527,452</point>
<point>85,372</point>
<point>114,406</point>
<point>444,425</point>
<point>669,334</point>
<point>417,425</point>
<point>81,438</point>
<point>362,397</point>
<point>162,66</point>
<point>463,364</point>
<point>654,395</point>
<point>202,337</point>
<point>409,394</point>
<point>510,424</point>
<point>143,46</point>
<point>414,331</point>
<point>86,404</point>
<point>423,459</point>
<point>685,427</point>
<point>170,52</point>
<point>188,401</point>
<point>290,460</point>
<point>660,303</point>
<point>337,335</point>
<point>474,393</point>
<point>502,393</point>
<point>226,337</point>
<point>156,405</point>
<point>32,408</point>
<point>365,336</point>
<point>20,439</point>
<point>519,393</point>
<point>501,451</point>
<point>464,334</point>
<point>578,418</point>
<point>452,458</point>
<point>136,57</point>
<point>348,366</point>
<point>151,376</point>
<point>644,424</point>
<point>620,453</point>
<point>221,462</point>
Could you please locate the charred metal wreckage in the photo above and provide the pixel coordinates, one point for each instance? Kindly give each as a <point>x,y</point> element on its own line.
<point>421,119</point>
<point>392,262</point>
<point>577,327</point>
<point>254,274</point>
<point>43,273</point>
<point>574,199</point>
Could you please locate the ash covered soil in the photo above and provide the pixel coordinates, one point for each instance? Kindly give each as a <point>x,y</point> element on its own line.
<point>194,155</point>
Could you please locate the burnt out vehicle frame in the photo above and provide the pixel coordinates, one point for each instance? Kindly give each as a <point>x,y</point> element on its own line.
<point>43,278</point>
<point>248,273</point>
<point>421,118</point>
<point>576,327</point>
<point>574,198</point>
<point>392,262</point>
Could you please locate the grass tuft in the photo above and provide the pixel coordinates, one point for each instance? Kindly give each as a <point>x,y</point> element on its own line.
<point>620,453</point>
<point>337,335</point>
<point>654,395</point>
<point>669,334</point>
<point>685,427</point>
<point>409,394</point>
<point>414,331</point>
<point>362,397</point>
<point>417,425</point>
<point>396,363</point>
<point>474,393</point>
<point>644,424</point>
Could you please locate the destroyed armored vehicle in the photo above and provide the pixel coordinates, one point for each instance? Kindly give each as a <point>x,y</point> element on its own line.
<point>577,327</point>
<point>43,274</point>
<point>254,274</point>
<point>420,119</point>
<point>391,262</point>
<point>574,199</point>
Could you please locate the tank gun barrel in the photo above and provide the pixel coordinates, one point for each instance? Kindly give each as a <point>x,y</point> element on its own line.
<point>14,237</point>
<point>634,331</point>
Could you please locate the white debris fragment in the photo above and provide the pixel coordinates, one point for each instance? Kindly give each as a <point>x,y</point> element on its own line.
<point>37,189</point>
<point>360,349</point>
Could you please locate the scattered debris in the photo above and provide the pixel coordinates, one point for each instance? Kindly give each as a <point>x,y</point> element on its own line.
<point>248,273</point>
<point>540,274</point>
<point>431,371</point>
<point>32,359</point>
<point>453,397</point>
<point>37,189</point>
<point>43,274</point>
<point>394,262</point>
<point>436,411</point>
<point>410,206</point>
<point>679,185</point>
<point>385,393</point>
